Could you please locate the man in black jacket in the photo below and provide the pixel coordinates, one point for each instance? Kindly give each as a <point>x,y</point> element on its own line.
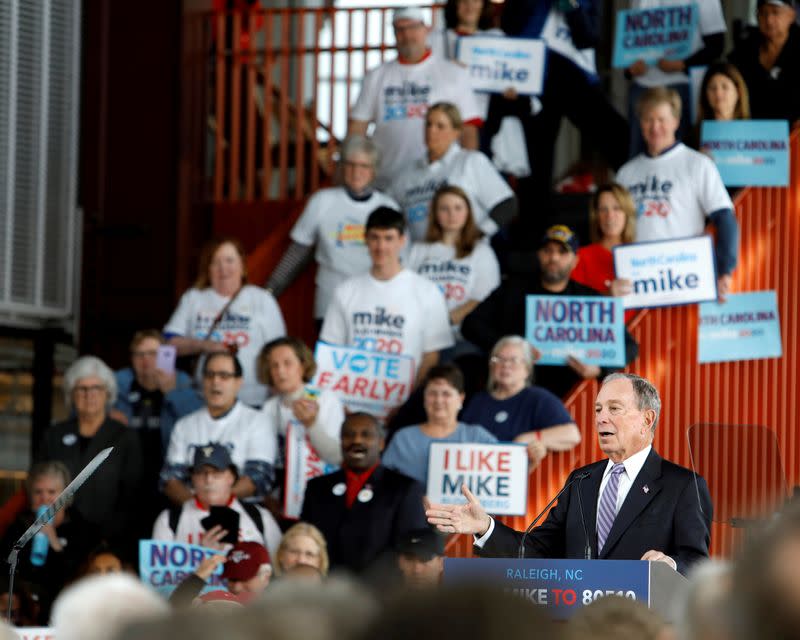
<point>503,312</point>
<point>364,509</point>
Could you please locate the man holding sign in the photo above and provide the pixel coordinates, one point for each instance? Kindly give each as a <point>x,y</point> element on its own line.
<point>633,505</point>
<point>503,313</point>
<point>364,509</point>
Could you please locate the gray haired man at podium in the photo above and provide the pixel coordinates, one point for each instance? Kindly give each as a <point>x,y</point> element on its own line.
<point>634,505</point>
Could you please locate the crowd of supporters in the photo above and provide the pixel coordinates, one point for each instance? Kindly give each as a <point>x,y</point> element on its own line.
<point>410,254</point>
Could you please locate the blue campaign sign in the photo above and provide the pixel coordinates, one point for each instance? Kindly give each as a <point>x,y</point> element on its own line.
<point>652,34</point>
<point>745,327</point>
<point>592,329</point>
<point>563,586</point>
<point>748,152</point>
<point>164,565</point>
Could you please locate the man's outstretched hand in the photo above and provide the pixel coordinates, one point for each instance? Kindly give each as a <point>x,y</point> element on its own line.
<point>469,518</point>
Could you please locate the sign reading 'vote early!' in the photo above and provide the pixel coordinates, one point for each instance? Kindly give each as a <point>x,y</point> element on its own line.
<point>591,329</point>
<point>496,63</point>
<point>496,473</point>
<point>667,273</point>
<point>370,381</point>
<point>655,33</point>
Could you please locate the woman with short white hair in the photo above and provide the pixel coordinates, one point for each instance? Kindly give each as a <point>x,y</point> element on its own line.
<point>105,501</point>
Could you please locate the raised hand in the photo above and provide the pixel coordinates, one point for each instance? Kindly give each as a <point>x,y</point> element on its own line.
<point>469,518</point>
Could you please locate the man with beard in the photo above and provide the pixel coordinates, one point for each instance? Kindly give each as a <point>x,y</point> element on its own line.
<point>503,312</point>
<point>395,96</point>
<point>364,509</point>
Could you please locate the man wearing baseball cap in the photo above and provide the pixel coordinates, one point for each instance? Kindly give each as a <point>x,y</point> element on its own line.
<point>769,60</point>
<point>503,312</point>
<point>395,96</point>
<point>421,557</point>
<point>213,476</point>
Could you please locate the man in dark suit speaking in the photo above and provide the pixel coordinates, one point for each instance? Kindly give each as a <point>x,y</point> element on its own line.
<point>634,505</point>
<point>364,509</point>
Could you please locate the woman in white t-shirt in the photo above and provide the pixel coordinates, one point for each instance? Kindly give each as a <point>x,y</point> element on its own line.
<point>302,418</point>
<point>455,257</point>
<point>445,162</point>
<point>222,312</point>
<point>333,222</point>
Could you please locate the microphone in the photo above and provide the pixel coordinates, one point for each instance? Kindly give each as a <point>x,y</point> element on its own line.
<point>587,547</point>
<point>521,552</point>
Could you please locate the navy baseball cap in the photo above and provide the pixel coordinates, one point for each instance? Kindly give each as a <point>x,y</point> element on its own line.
<point>563,234</point>
<point>214,455</point>
<point>425,544</point>
<point>778,3</point>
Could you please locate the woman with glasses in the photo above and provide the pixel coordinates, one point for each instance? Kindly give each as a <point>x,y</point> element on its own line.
<point>302,544</point>
<point>514,410</point>
<point>331,226</point>
<point>105,501</point>
<point>224,313</point>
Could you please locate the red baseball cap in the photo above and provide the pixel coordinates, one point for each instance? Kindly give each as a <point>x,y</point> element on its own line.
<point>244,560</point>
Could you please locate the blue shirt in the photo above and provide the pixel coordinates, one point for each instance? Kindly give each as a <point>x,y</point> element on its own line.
<point>409,450</point>
<point>531,409</point>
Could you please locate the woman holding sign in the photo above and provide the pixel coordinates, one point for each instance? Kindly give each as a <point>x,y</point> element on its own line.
<point>514,410</point>
<point>612,222</point>
<point>305,421</point>
<point>409,449</point>
<point>723,96</point>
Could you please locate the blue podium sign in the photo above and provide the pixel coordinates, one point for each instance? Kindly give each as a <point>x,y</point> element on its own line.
<point>563,586</point>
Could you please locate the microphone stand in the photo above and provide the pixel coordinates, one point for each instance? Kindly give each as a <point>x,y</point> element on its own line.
<point>521,551</point>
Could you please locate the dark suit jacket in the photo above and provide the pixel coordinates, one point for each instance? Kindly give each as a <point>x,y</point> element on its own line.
<point>673,515</point>
<point>358,537</point>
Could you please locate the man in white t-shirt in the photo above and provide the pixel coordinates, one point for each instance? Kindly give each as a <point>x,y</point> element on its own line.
<point>225,420</point>
<point>389,309</point>
<point>396,95</point>
<point>213,477</point>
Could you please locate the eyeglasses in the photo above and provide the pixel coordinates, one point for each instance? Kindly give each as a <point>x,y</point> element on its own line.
<point>513,360</point>
<point>222,375</point>
<point>144,354</point>
<point>93,389</point>
<point>357,165</point>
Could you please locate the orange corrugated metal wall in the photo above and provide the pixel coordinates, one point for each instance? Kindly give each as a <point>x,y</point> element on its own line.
<point>757,392</point>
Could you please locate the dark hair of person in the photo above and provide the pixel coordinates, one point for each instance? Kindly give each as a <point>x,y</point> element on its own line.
<point>386,218</point>
<point>470,232</point>
<point>742,109</point>
<point>237,366</point>
<point>144,334</point>
<point>301,350</point>
<point>207,255</point>
<point>486,21</point>
<point>449,372</point>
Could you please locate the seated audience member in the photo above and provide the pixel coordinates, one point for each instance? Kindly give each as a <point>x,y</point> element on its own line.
<point>287,365</point>
<point>503,312</point>
<point>365,508</point>
<point>396,95</point>
<point>302,543</point>
<point>765,588</point>
<point>106,501</point>
<point>443,395</point>
<point>223,313</point>
<point>723,96</point>
<point>514,410</point>
<point>25,611</point>
<point>612,222</point>
<point>707,44</point>
<point>616,618</point>
<point>769,59</point>
<point>247,570</point>
<point>333,222</point>
<point>420,558</point>
<point>101,560</point>
<point>705,607</point>
<point>213,477</point>
<point>46,573</point>
<point>455,257</point>
<point>390,308</point>
<point>446,163</point>
<point>677,190</point>
<point>100,607</point>
<point>226,420</point>
<point>152,400</point>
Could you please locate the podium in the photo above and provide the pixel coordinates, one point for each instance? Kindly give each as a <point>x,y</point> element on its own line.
<point>563,586</point>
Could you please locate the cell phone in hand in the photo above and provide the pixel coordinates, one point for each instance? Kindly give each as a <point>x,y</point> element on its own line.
<point>165,358</point>
<point>227,518</point>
